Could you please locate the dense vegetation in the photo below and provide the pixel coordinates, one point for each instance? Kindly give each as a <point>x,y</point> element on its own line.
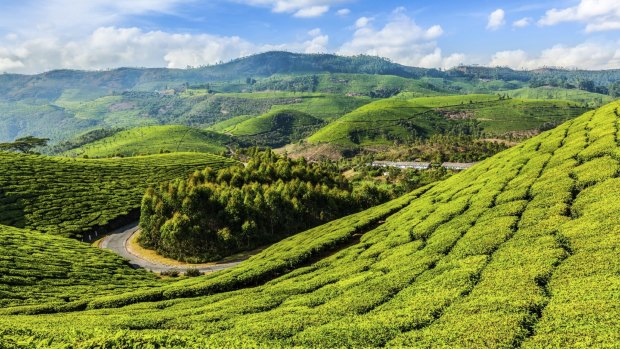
<point>153,140</point>
<point>518,251</point>
<point>216,213</point>
<point>78,197</point>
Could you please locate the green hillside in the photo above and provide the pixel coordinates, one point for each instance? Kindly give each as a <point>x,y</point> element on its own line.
<point>41,268</point>
<point>574,95</point>
<point>404,119</point>
<point>76,197</point>
<point>154,139</point>
<point>521,250</point>
<point>276,128</point>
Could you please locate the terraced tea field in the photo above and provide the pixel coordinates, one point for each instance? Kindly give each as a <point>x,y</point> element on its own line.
<point>403,119</point>
<point>153,140</point>
<point>77,197</point>
<point>41,268</point>
<point>521,250</point>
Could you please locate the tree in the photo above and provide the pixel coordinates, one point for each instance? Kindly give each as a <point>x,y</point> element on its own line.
<point>24,144</point>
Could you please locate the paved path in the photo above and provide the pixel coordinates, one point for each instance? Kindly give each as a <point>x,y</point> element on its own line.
<point>117,242</point>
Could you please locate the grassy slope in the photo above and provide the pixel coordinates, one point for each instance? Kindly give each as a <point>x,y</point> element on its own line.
<point>38,268</point>
<point>524,243</point>
<point>389,119</point>
<point>152,139</point>
<point>276,128</point>
<point>72,197</point>
<point>573,95</point>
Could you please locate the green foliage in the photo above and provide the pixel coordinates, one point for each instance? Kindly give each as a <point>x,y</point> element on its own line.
<point>154,139</point>
<point>79,197</point>
<point>24,144</point>
<point>216,213</point>
<point>405,120</point>
<point>276,128</point>
<point>39,268</point>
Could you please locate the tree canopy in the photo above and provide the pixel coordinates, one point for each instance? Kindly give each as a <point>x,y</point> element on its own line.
<point>24,144</point>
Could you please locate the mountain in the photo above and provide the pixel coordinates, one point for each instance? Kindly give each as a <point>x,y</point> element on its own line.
<point>521,250</point>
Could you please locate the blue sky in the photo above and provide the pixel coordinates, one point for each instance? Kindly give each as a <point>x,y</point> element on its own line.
<point>39,35</point>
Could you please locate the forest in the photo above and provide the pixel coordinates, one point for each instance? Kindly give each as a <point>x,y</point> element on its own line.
<point>213,214</point>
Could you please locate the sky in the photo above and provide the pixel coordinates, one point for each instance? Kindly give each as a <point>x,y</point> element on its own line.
<point>42,35</point>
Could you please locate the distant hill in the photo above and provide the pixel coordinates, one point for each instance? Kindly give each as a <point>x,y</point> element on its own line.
<point>50,85</point>
<point>155,139</point>
<point>276,128</point>
<point>405,119</point>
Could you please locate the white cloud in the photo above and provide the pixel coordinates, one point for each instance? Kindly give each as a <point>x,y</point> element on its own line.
<point>599,15</point>
<point>362,22</point>
<point>318,44</point>
<point>496,19</point>
<point>522,23</point>
<point>310,12</point>
<point>315,32</point>
<point>400,40</point>
<point>587,55</point>
<point>343,12</point>
<point>112,47</point>
<point>299,8</point>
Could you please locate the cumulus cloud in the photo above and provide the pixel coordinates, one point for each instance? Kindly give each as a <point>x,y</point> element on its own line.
<point>112,47</point>
<point>299,8</point>
<point>362,22</point>
<point>309,12</point>
<point>587,55</point>
<point>343,12</point>
<point>522,23</point>
<point>496,19</point>
<point>599,15</point>
<point>401,40</point>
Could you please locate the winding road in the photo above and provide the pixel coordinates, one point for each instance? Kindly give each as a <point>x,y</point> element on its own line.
<point>118,240</point>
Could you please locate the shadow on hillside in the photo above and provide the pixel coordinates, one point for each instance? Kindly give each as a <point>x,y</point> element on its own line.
<point>11,211</point>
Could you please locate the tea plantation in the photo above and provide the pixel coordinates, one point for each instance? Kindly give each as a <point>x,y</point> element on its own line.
<point>77,197</point>
<point>404,119</point>
<point>521,250</point>
<point>153,140</point>
<point>41,268</point>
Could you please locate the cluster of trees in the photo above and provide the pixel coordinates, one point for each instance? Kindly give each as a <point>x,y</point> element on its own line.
<point>24,145</point>
<point>217,213</point>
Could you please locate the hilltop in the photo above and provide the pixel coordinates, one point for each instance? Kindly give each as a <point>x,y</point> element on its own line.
<point>155,139</point>
<point>524,243</point>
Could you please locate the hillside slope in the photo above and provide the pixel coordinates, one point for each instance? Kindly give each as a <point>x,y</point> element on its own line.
<point>154,139</point>
<point>404,119</point>
<point>42,268</point>
<point>276,128</point>
<point>518,251</point>
<point>77,197</point>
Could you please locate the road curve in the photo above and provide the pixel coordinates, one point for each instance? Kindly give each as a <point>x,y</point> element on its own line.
<point>117,241</point>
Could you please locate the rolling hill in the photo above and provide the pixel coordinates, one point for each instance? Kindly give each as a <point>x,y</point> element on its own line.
<point>153,140</point>
<point>79,197</point>
<point>518,251</point>
<point>276,128</point>
<point>403,119</point>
